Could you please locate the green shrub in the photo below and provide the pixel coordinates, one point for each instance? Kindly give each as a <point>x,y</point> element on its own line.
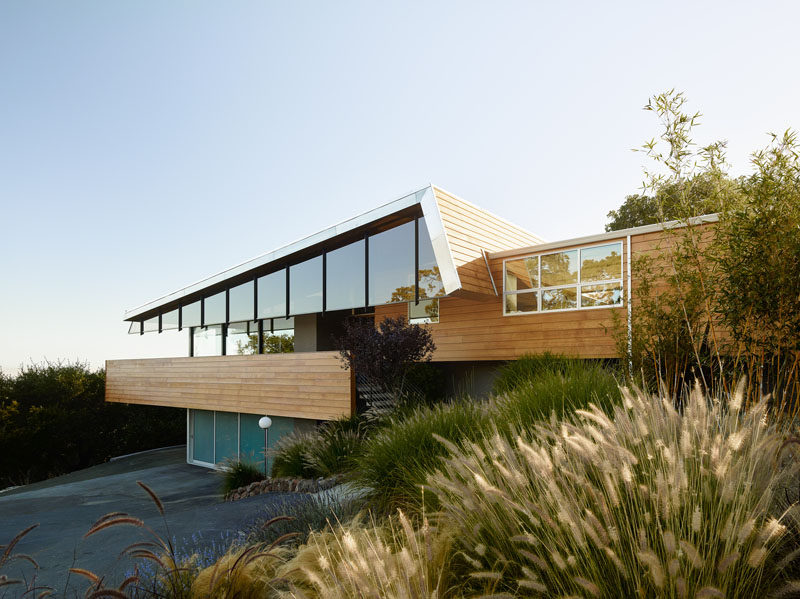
<point>397,458</point>
<point>646,502</point>
<point>334,453</point>
<point>239,473</point>
<point>562,388</point>
<point>289,455</point>
<point>529,366</point>
<point>54,419</point>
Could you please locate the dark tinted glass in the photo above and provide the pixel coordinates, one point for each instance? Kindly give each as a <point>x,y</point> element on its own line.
<point>391,265</point>
<point>190,316</point>
<point>272,295</point>
<point>214,310</point>
<point>241,302</point>
<point>345,277</point>
<point>305,287</point>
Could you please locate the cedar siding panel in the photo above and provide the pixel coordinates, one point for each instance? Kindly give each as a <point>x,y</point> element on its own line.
<point>469,230</point>
<point>301,385</point>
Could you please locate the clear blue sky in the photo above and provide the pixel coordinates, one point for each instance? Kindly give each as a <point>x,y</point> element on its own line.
<point>145,145</point>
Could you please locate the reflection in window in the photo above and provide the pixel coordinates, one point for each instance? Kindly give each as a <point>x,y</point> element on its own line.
<point>562,284</point>
<point>190,315</point>
<point>430,279</point>
<point>518,303</point>
<point>425,312</point>
<point>522,274</point>
<point>345,277</point>
<point>240,302</point>
<point>207,341</point>
<point>279,339</point>
<point>305,287</point>
<point>601,295</point>
<point>169,320</point>
<point>560,269</point>
<point>214,309</point>
<point>272,295</point>
<point>559,299</point>
<point>242,339</point>
<point>391,265</point>
<point>601,263</point>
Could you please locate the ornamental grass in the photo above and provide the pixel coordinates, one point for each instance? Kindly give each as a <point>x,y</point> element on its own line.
<point>641,502</point>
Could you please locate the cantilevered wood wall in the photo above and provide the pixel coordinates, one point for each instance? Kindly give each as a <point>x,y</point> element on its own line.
<point>470,229</point>
<point>300,385</point>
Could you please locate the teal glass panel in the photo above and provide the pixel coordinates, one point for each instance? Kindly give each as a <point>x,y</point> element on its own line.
<point>202,436</point>
<point>430,279</point>
<point>252,440</point>
<point>226,436</point>
<point>345,277</point>
<point>169,320</point>
<point>272,295</point>
<point>305,287</point>
<point>391,265</point>
<point>240,299</point>
<point>214,309</point>
<point>190,315</point>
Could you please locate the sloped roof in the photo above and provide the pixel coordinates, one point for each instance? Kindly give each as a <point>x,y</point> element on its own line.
<point>460,232</point>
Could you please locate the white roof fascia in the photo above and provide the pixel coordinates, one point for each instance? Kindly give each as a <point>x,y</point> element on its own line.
<point>673,224</point>
<point>441,246</point>
<point>344,226</point>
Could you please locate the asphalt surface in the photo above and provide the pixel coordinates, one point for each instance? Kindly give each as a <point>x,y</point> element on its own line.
<point>66,507</point>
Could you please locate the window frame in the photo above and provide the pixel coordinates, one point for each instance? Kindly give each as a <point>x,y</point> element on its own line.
<point>577,285</point>
<point>426,320</point>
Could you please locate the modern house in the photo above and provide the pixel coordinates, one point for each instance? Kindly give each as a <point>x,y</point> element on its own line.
<point>489,290</point>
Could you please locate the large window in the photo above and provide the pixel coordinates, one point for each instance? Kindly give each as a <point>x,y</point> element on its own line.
<point>242,339</point>
<point>345,277</point>
<point>588,277</point>
<point>240,302</point>
<point>391,265</point>
<point>305,287</point>
<point>207,341</point>
<point>214,309</point>
<point>272,295</point>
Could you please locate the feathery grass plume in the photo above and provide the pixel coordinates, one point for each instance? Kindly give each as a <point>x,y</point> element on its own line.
<point>367,559</point>
<point>700,491</point>
<point>243,573</point>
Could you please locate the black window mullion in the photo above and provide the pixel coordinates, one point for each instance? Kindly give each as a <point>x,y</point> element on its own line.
<point>180,318</point>
<point>287,291</point>
<point>416,261</point>
<point>191,342</point>
<point>224,331</point>
<point>366,271</point>
<point>260,336</point>
<point>255,299</point>
<point>141,327</point>
<point>227,306</point>
<point>324,280</point>
<point>160,324</point>
<point>202,312</point>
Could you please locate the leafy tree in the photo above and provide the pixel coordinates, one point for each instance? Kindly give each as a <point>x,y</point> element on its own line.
<point>384,354</point>
<point>273,344</point>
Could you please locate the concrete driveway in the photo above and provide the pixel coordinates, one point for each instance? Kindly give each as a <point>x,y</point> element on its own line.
<point>67,506</point>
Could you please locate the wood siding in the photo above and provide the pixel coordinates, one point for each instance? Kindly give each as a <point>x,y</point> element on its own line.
<point>300,385</point>
<point>470,229</point>
<point>475,329</point>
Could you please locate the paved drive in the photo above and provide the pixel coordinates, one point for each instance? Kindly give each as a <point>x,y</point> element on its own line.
<point>66,507</point>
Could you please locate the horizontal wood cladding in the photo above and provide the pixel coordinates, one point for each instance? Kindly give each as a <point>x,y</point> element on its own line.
<point>474,330</point>
<point>301,385</point>
<point>469,230</point>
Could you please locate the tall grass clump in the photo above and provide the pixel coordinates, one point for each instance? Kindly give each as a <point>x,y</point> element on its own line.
<point>392,559</point>
<point>398,457</point>
<point>560,385</point>
<point>644,502</point>
<point>239,473</point>
<point>529,366</point>
<point>288,455</point>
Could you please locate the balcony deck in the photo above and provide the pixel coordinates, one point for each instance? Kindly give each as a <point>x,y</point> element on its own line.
<point>298,385</point>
